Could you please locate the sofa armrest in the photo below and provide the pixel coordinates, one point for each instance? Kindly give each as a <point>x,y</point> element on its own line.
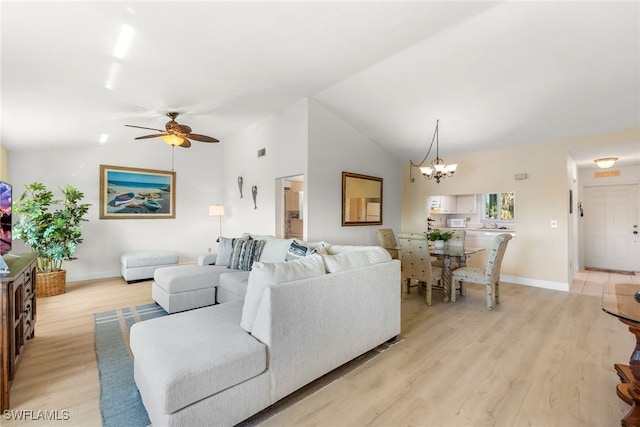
<point>208,259</point>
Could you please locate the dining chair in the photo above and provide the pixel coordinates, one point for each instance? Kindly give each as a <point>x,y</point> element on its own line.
<point>415,264</point>
<point>387,240</point>
<point>489,276</point>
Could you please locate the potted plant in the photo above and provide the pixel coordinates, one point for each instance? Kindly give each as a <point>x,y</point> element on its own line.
<point>438,237</point>
<point>53,234</point>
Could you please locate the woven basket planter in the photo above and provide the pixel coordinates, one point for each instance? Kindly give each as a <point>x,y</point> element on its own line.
<point>50,284</point>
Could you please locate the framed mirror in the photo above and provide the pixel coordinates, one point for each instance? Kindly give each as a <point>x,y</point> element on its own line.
<point>361,199</point>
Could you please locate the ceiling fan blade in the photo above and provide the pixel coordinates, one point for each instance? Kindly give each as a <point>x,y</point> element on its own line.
<point>151,136</point>
<point>142,127</point>
<point>202,138</point>
<point>185,144</point>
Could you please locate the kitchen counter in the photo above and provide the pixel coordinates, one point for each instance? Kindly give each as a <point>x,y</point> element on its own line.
<point>483,231</point>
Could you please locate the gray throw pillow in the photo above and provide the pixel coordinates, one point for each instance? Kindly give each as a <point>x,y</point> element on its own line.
<point>225,249</point>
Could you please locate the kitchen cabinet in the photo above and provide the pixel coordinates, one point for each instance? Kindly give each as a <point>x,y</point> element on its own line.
<point>442,204</point>
<point>466,203</point>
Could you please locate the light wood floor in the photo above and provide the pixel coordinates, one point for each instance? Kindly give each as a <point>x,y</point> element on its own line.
<point>541,358</point>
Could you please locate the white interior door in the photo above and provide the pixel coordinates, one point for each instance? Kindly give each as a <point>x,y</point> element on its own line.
<point>610,220</point>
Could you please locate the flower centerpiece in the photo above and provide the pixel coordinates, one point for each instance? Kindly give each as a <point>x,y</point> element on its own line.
<point>438,237</point>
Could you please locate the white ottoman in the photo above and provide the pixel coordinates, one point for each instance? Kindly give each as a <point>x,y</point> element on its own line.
<point>142,265</point>
<point>186,287</point>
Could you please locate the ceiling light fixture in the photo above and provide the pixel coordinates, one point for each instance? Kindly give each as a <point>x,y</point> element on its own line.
<point>438,169</point>
<point>605,162</point>
<point>172,139</point>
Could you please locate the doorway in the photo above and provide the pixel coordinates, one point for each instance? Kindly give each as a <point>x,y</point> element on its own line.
<point>610,228</point>
<point>290,212</point>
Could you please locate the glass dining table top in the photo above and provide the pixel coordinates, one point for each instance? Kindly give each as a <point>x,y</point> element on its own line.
<point>619,299</point>
<point>454,250</point>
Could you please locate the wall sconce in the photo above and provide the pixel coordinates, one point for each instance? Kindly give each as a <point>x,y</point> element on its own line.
<point>240,185</point>
<point>254,193</point>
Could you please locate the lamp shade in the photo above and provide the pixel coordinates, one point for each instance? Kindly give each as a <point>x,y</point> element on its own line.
<point>216,210</point>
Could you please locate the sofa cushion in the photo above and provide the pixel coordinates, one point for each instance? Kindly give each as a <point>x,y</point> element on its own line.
<point>275,250</point>
<point>266,274</point>
<point>189,356</point>
<point>355,259</point>
<point>235,283</point>
<point>245,252</point>
<point>185,278</point>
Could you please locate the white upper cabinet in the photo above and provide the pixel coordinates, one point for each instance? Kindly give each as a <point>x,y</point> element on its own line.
<point>466,203</point>
<point>442,204</point>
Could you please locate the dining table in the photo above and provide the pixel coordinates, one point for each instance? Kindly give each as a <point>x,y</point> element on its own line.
<point>622,300</point>
<point>449,254</point>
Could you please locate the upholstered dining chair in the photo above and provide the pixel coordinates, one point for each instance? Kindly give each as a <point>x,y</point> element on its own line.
<point>415,264</point>
<point>489,276</point>
<point>387,240</point>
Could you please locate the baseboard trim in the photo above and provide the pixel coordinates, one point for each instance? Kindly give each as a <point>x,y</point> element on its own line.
<point>546,284</point>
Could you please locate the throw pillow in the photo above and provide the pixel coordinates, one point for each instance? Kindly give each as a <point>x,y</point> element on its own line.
<point>266,274</point>
<point>245,252</point>
<point>296,250</point>
<point>225,249</point>
<point>321,249</point>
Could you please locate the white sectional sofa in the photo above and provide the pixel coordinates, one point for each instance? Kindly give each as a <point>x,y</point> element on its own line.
<point>300,319</point>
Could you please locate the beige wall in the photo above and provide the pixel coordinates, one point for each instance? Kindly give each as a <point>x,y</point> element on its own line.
<point>4,164</point>
<point>539,255</point>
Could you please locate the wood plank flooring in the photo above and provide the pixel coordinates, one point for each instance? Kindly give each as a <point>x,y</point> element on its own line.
<point>541,358</point>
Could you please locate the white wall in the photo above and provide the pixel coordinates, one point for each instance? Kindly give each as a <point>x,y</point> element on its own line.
<point>334,147</point>
<point>285,138</point>
<point>198,183</point>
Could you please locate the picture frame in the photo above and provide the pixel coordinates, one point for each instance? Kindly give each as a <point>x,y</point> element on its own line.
<point>361,199</point>
<point>134,193</point>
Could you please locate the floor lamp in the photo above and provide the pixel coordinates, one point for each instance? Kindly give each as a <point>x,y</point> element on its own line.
<point>217,210</point>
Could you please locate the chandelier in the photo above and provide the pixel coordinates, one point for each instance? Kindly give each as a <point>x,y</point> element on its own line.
<point>438,169</point>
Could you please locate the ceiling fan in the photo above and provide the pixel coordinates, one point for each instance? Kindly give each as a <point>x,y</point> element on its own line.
<point>175,133</point>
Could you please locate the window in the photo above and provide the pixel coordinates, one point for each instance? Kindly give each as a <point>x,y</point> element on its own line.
<point>500,206</point>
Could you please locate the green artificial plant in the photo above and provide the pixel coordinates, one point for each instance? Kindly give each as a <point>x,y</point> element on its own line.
<point>53,234</point>
<point>440,235</point>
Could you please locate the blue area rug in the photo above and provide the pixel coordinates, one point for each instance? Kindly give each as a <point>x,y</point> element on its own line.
<point>120,403</point>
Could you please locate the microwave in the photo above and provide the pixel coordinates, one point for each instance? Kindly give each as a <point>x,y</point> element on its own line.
<point>456,223</point>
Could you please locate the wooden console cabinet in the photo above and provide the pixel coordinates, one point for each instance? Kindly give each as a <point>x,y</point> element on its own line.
<point>18,317</point>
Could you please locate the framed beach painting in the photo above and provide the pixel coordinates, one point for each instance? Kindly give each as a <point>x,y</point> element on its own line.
<point>132,193</point>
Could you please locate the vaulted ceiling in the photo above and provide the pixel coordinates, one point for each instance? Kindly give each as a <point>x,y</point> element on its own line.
<point>494,73</point>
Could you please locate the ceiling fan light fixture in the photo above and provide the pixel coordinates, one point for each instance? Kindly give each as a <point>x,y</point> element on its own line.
<point>605,162</point>
<point>172,139</point>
